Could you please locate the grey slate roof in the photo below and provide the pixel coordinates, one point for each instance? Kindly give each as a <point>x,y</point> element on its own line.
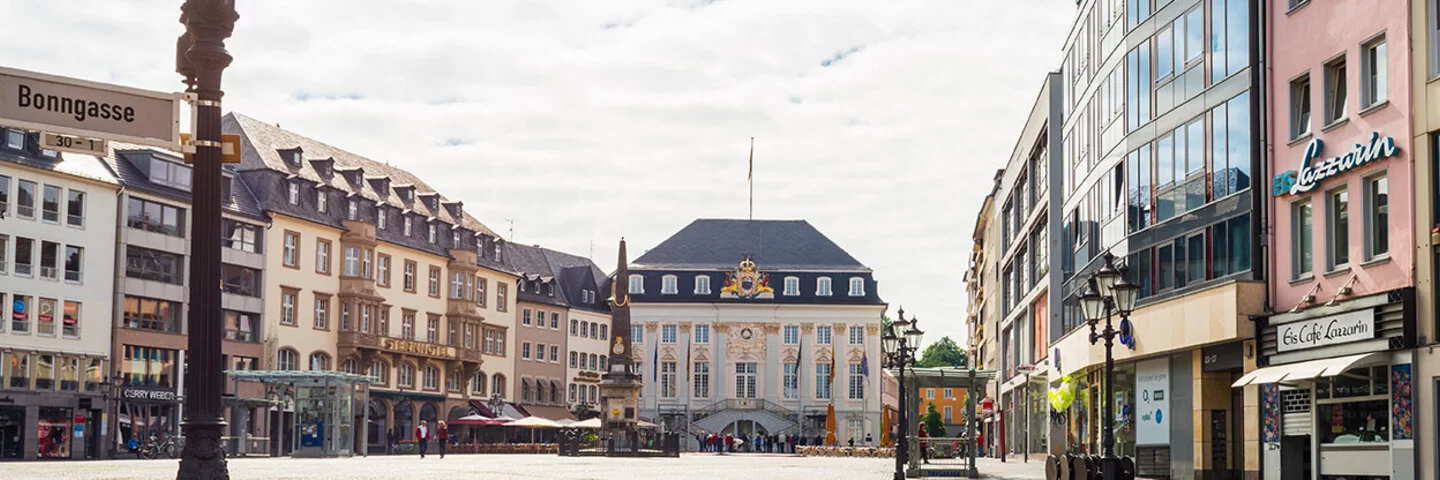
<point>121,163</point>
<point>576,273</point>
<point>260,150</point>
<point>774,245</point>
<point>531,264</point>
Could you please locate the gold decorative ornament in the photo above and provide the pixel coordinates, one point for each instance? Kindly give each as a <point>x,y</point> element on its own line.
<point>619,348</point>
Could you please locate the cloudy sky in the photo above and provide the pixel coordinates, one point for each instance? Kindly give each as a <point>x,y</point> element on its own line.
<point>880,122</point>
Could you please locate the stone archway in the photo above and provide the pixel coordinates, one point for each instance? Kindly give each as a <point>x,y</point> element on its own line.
<point>378,433</point>
<point>404,421</point>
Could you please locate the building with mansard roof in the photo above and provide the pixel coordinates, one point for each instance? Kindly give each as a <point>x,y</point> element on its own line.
<point>374,271</point>
<point>756,327</point>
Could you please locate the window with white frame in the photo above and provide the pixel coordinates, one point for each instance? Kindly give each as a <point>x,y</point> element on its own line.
<point>669,285</point>
<point>75,208</point>
<point>408,225</point>
<point>637,334</point>
<point>822,380</point>
<point>745,385</point>
<point>822,286</point>
<point>405,375</point>
<point>458,289</point>
<point>319,361</point>
<point>432,233</point>
<point>1337,228</point>
<point>539,352</point>
<point>1377,217</point>
<point>352,210</point>
<point>702,379</point>
<point>322,201</point>
<point>287,308</point>
<point>1300,106</point>
<point>857,334</point>
<point>702,284</point>
<point>1302,239</point>
<point>322,256</point>
<point>702,334</point>
<point>1336,91</point>
<point>667,334</point>
<point>857,381</point>
<point>287,359</point>
<point>637,284</point>
<point>352,261</point>
<point>381,217</point>
<point>572,359</point>
<point>432,378</point>
<point>822,334</point>
<point>792,286</point>
<point>791,334</point>
<point>667,379</point>
<point>525,350</point>
<point>1374,73</point>
<point>857,287</point>
<point>291,253</point>
<point>322,312</point>
<point>294,193</point>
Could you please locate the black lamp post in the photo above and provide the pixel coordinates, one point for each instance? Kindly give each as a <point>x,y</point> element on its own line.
<point>1107,294</point>
<point>900,353</point>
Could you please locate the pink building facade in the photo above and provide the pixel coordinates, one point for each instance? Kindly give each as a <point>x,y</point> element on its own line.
<point>1336,352</point>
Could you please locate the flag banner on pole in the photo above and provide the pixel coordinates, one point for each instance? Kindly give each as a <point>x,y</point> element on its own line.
<point>655,364</point>
<point>832,366</point>
<point>751,175</point>
<point>687,359</point>
<point>865,364</point>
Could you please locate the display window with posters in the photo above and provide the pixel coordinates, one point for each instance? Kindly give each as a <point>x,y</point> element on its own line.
<point>53,432</point>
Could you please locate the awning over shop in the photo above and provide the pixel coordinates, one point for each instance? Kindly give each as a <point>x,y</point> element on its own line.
<point>1302,371</point>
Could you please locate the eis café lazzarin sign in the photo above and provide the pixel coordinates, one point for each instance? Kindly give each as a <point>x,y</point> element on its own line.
<point>1314,170</point>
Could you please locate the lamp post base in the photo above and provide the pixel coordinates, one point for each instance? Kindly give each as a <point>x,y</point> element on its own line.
<point>203,457</point>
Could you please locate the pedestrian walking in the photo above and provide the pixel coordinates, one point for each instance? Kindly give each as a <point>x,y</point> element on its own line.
<point>758,442</point>
<point>980,443</point>
<point>924,446</point>
<point>422,437</point>
<point>792,444</point>
<point>444,436</point>
<point>729,443</point>
<point>390,441</point>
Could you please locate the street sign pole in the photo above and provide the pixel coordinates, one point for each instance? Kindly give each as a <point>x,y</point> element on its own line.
<point>201,58</point>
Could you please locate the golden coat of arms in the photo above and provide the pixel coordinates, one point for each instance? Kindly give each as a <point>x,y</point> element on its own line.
<point>747,282</point>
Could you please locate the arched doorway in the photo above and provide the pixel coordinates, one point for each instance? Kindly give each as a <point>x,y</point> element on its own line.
<point>745,428</point>
<point>404,421</point>
<point>379,433</point>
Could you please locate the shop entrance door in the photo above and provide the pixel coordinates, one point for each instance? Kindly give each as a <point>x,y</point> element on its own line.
<point>92,435</point>
<point>12,433</point>
<point>1295,458</point>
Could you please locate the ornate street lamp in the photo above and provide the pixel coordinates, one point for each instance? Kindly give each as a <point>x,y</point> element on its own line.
<point>900,341</point>
<point>1108,293</point>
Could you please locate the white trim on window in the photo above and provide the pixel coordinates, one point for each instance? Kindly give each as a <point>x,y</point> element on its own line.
<point>792,286</point>
<point>857,286</point>
<point>637,283</point>
<point>702,284</point>
<point>822,286</point>
<point>669,285</point>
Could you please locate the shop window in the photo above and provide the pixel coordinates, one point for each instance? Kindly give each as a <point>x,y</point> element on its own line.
<point>53,432</point>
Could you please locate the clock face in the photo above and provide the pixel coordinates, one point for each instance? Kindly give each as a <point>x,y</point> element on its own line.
<point>619,348</point>
<point>745,333</point>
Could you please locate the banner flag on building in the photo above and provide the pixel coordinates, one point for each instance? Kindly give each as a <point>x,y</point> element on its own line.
<point>655,364</point>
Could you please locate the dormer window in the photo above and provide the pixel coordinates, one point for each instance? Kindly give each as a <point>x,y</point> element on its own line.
<point>792,286</point>
<point>432,233</point>
<point>455,238</point>
<point>380,217</point>
<point>857,287</point>
<point>322,203</point>
<point>668,285</point>
<point>294,193</point>
<point>637,284</point>
<point>702,284</point>
<point>323,166</point>
<point>291,156</point>
<point>499,250</point>
<point>169,174</point>
<point>822,286</point>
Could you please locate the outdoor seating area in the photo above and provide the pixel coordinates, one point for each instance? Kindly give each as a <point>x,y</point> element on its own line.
<point>859,452</point>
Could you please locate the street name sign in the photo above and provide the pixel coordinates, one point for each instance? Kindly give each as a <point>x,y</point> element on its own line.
<point>71,106</point>
<point>74,144</point>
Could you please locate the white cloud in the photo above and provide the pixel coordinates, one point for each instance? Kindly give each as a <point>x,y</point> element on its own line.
<point>586,121</point>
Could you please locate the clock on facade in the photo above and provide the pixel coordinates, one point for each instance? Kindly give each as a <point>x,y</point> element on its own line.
<point>745,333</point>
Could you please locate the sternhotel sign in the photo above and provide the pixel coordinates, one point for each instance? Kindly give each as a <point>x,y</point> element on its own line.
<point>417,348</point>
<point>1344,328</point>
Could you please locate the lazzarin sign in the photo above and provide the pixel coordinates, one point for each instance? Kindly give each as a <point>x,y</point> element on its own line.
<point>1314,170</point>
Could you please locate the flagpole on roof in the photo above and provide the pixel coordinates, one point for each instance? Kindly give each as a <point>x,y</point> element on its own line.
<point>751,178</point>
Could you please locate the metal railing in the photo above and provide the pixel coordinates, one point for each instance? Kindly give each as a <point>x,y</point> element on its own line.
<point>748,404</point>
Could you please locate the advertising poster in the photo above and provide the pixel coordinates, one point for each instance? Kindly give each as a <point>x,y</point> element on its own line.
<point>1152,407</point>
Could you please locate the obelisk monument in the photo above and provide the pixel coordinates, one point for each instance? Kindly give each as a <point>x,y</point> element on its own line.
<point>620,386</point>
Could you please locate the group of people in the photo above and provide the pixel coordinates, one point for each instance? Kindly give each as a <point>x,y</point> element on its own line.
<point>774,443</point>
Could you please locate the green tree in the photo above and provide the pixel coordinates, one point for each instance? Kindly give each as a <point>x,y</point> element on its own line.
<point>934,425</point>
<point>944,353</point>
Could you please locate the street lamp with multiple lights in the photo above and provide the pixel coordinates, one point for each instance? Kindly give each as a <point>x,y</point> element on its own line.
<point>900,353</point>
<point>1108,293</point>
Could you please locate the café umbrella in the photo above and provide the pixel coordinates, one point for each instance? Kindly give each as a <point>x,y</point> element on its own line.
<point>830,425</point>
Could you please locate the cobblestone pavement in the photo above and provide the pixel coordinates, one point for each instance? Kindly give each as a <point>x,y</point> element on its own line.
<point>689,466</point>
<point>698,467</point>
